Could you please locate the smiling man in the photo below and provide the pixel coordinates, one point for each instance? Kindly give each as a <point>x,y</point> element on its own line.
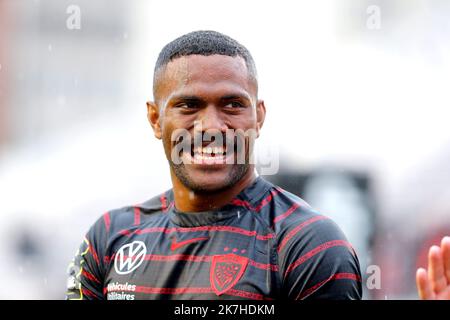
<point>221,232</point>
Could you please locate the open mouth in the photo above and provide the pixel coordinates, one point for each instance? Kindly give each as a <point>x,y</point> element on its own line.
<point>209,155</point>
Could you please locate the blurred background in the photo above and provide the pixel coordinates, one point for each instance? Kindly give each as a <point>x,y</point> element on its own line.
<point>357,115</point>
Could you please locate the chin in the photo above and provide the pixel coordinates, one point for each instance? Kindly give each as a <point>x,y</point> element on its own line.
<point>209,181</point>
<point>207,185</point>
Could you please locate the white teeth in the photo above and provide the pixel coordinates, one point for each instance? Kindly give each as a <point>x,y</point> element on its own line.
<point>209,150</point>
<point>204,157</point>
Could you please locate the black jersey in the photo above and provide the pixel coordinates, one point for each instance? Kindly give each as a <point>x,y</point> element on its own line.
<point>265,244</point>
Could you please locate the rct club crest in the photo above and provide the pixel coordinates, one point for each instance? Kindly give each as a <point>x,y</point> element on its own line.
<point>129,257</point>
<point>225,272</point>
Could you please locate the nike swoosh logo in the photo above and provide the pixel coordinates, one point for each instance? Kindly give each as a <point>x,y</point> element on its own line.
<point>176,245</point>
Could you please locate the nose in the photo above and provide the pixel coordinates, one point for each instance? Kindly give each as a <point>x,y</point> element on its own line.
<point>211,119</point>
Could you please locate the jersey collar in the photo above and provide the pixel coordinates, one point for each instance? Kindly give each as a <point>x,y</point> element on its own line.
<point>252,194</point>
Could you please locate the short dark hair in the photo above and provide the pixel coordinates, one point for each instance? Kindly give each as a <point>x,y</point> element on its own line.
<point>205,43</point>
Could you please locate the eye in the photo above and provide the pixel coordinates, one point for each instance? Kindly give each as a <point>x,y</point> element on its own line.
<point>187,105</point>
<point>234,105</point>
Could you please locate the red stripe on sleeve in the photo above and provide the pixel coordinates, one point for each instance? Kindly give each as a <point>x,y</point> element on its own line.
<point>336,276</point>
<point>294,207</point>
<point>88,293</point>
<point>266,200</point>
<point>90,276</point>
<point>107,221</point>
<point>297,229</point>
<point>316,250</point>
<point>94,254</point>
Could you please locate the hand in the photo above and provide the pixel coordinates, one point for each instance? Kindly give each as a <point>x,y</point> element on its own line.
<point>435,284</point>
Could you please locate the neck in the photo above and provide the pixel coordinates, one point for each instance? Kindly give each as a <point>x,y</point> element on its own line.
<point>187,200</point>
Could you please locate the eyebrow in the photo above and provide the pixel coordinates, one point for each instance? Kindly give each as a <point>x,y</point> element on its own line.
<point>233,96</point>
<point>184,98</point>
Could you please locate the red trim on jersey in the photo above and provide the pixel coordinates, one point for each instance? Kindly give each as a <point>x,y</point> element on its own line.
<point>344,275</point>
<point>89,276</point>
<point>242,203</point>
<point>297,229</point>
<point>94,254</point>
<point>231,229</point>
<point>196,290</point>
<point>107,221</point>
<point>177,257</point>
<point>164,206</point>
<point>289,211</point>
<point>246,294</point>
<point>125,232</point>
<point>336,276</point>
<point>316,250</point>
<point>194,258</point>
<point>263,203</point>
<point>137,216</point>
<point>267,200</point>
<point>179,290</point>
<point>266,266</point>
<point>88,293</point>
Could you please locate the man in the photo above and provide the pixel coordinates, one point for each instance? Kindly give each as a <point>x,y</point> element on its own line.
<point>222,232</point>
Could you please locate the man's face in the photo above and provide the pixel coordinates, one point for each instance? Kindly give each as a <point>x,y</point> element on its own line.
<point>207,97</point>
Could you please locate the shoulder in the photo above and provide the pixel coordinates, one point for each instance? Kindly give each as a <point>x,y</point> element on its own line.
<point>312,247</point>
<point>297,223</point>
<point>286,213</point>
<point>127,218</point>
<point>279,208</point>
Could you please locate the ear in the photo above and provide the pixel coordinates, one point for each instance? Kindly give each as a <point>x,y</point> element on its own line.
<point>260,115</point>
<point>154,118</point>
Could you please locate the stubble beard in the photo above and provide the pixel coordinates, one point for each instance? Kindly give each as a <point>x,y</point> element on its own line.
<point>238,171</point>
